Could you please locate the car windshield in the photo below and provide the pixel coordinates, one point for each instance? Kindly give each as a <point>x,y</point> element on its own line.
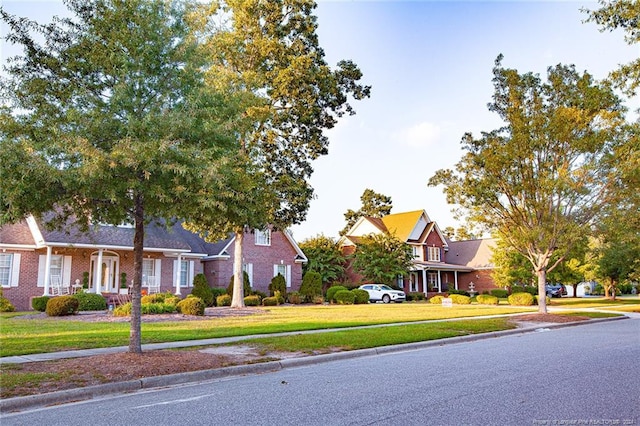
<point>385,287</point>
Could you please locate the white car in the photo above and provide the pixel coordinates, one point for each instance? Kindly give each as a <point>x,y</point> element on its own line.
<point>384,293</point>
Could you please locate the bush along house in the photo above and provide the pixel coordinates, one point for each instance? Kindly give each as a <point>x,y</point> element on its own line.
<point>439,264</point>
<point>37,261</point>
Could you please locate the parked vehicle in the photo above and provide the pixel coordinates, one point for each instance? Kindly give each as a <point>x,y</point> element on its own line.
<point>555,290</point>
<point>384,293</point>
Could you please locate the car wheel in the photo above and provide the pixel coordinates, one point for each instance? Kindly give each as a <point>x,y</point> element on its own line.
<point>386,298</point>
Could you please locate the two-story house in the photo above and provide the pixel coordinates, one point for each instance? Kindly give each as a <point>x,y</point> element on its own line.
<point>36,261</point>
<point>439,264</point>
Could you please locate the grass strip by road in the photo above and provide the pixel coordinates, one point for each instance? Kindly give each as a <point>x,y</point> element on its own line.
<point>19,336</point>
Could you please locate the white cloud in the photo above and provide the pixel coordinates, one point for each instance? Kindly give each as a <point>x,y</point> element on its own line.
<point>421,135</point>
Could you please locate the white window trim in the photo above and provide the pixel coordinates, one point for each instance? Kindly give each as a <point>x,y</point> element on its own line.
<point>434,254</point>
<point>287,273</point>
<point>14,270</point>
<point>66,269</point>
<point>262,237</point>
<point>177,269</point>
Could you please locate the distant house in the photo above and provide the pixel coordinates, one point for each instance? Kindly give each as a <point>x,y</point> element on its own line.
<point>439,264</point>
<point>36,261</point>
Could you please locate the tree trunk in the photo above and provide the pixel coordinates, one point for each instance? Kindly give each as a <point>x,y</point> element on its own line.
<point>135,345</point>
<point>542,290</point>
<point>238,282</point>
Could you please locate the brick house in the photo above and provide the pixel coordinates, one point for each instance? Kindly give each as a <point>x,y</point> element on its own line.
<point>36,261</point>
<point>439,264</point>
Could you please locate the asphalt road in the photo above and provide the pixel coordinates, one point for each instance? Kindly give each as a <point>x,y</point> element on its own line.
<point>581,375</point>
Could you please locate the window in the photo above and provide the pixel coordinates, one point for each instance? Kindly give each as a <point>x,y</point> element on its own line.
<point>6,261</point>
<point>416,251</point>
<point>148,267</point>
<point>57,263</point>
<point>285,271</point>
<point>263,238</point>
<point>432,278</point>
<point>183,272</point>
<point>434,254</point>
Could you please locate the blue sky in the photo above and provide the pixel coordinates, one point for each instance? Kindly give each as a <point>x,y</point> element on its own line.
<point>429,64</point>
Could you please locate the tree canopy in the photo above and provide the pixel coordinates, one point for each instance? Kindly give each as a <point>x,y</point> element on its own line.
<point>373,205</point>
<point>541,179</point>
<point>325,258</point>
<point>382,258</point>
<point>109,121</point>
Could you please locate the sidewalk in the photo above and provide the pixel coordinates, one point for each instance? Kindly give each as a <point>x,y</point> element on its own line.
<point>91,392</point>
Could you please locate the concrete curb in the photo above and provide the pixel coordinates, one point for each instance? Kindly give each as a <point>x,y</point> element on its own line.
<point>90,392</point>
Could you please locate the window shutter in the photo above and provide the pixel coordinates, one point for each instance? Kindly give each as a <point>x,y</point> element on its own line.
<point>275,270</point>
<point>288,277</point>
<point>66,272</point>
<point>176,272</point>
<point>157,272</point>
<point>192,267</point>
<point>249,270</point>
<point>15,270</point>
<point>42,263</point>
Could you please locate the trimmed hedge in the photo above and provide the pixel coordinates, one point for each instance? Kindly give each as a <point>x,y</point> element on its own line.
<point>520,299</point>
<point>218,291</point>
<point>5,304</point>
<point>345,297</point>
<point>460,299</point>
<point>415,296</point>
<point>202,290</point>
<point>252,300</point>
<point>499,293</point>
<point>361,296</point>
<point>436,300</point>
<point>331,291</point>
<point>62,305</point>
<point>270,301</point>
<point>294,298</point>
<point>462,292</point>
<point>223,300</point>
<point>191,306</point>
<point>278,285</point>
<point>311,285</point>
<point>40,303</point>
<point>90,302</point>
<point>486,299</point>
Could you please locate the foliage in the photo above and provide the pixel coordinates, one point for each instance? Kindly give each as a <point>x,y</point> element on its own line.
<point>269,55</point>
<point>485,299</point>
<point>123,280</point>
<point>311,285</point>
<point>344,297</point>
<point>191,306</point>
<point>499,293</point>
<point>462,292</point>
<point>223,300</point>
<point>325,258</point>
<point>246,284</point>
<point>62,305</point>
<point>123,310</point>
<point>202,290</point>
<point>40,303</point>
<point>270,301</point>
<point>436,300</point>
<point>90,302</point>
<point>520,299</point>
<point>217,291</point>
<point>361,296</point>
<point>252,300</point>
<point>5,304</point>
<point>109,121</point>
<point>381,258</point>
<point>541,179</point>
<point>278,284</point>
<point>331,292</point>
<point>460,299</point>
<point>373,205</point>
<point>415,296</point>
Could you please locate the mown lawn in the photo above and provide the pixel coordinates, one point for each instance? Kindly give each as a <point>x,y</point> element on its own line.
<point>21,336</point>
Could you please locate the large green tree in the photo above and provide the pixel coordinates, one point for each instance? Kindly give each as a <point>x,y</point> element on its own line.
<point>382,258</point>
<point>373,205</point>
<point>325,258</point>
<point>268,52</point>
<point>541,179</point>
<point>109,121</point>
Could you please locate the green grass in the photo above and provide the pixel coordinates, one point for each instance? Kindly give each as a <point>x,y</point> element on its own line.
<point>26,336</point>
<point>589,314</point>
<point>595,302</point>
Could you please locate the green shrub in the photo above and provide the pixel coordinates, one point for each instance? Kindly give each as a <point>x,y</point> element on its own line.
<point>252,300</point>
<point>344,297</point>
<point>485,299</point>
<point>517,289</point>
<point>270,301</point>
<point>531,289</point>
<point>499,293</point>
<point>90,302</point>
<point>202,290</point>
<point>462,292</point>
<point>223,300</point>
<point>318,300</point>
<point>311,285</point>
<point>173,300</point>
<point>217,291</point>
<point>361,296</point>
<point>191,306</point>
<point>436,300</point>
<point>278,283</point>
<point>415,296</point>
<point>40,303</point>
<point>460,299</point>
<point>547,298</point>
<point>61,306</point>
<point>5,304</point>
<point>331,291</point>
<point>246,285</point>
<point>123,310</point>
<point>295,298</point>
<point>520,299</point>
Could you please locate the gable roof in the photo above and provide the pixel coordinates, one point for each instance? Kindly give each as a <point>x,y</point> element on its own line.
<point>476,254</point>
<point>403,225</point>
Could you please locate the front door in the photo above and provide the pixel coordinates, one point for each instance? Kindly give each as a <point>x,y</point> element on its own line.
<point>107,274</point>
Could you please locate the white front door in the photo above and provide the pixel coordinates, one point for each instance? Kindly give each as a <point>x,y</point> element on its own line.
<point>108,274</point>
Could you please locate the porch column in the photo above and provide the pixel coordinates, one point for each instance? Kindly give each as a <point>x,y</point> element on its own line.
<point>47,272</point>
<point>177,275</point>
<point>98,273</point>
<point>424,282</point>
<point>439,283</point>
<point>455,278</point>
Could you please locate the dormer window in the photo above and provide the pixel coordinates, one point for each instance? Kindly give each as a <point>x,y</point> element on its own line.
<point>434,254</point>
<point>263,238</point>
<point>416,252</point>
